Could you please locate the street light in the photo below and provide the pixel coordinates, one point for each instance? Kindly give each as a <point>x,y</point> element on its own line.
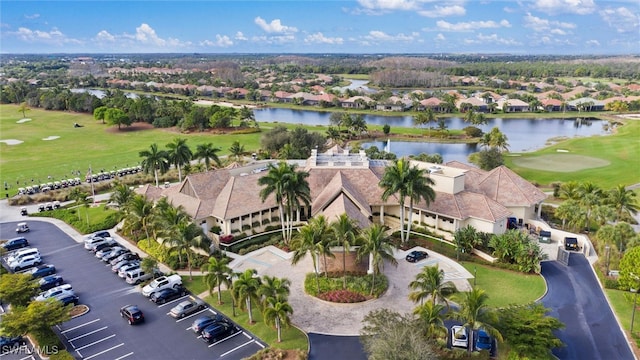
<point>608,250</point>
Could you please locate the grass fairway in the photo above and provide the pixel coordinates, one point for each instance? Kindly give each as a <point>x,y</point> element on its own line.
<point>621,151</point>
<point>622,304</point>
<point>506,287</point>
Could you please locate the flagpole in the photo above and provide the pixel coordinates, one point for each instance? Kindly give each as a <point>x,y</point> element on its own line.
<point>93,190</point>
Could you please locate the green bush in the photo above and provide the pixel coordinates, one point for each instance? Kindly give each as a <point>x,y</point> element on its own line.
<point>360,284</point>
<point>254,243</point>
<point>611,284</point>
<point>47,341</point>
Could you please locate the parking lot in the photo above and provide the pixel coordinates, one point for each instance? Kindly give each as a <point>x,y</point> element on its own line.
<point>102,333</point>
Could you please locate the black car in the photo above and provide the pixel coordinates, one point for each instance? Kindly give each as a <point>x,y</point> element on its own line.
<point>15,244</point>
<point>132,313</point>
<point>571,243</point>
<point>416,255</point>
<point>203,322</point>
<point>42,270</point>
<point>9,344</point>
<point>69,299</point>
<point>105,245</point>
<point>50,281</point>
<point>128,256</point>
<point>114,254</point>
<point>168,294</point>
<point>217,331</point>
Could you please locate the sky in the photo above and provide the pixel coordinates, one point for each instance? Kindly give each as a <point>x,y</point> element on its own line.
<point>524,27</point>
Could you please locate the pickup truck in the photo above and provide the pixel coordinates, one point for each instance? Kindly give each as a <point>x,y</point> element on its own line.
<point>160,283</point>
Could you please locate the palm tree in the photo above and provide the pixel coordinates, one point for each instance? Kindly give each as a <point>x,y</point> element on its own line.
<point>179,154</point>
<point>623,200</point>
<point>475,314</point>
<point>296,190</point>
<point>306,242</point>
<point>217,274</point>
<point>207,153</point>
<point>245,289</point>
<point>430,282</point>
<point>154,160</point>
<point>186,237</point>
<point>277,313</point>
<point>431,317</point>
<point>324,240</point>
<point>406,181</point>
<point>273,183</point>
<point>344,234</point>
<point>236,150</point>
<point>274,288</point>
<point>377,246</point>
<point>569,190</point>
<point>139,215</point>
<point>82,199</point>
<point>590,196</point>
<point>121,194</point>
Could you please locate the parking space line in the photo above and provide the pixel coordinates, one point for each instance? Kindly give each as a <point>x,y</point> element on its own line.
<point>79,326</point>
<point>236,348</point>
<point>225,339</point>
<point>87,334</point>
<point>104,351</point>
<point>247,335</point>
<point>172,301</point>
<point>192,315</point>
<point>96,342</point>
<point>124,356</point>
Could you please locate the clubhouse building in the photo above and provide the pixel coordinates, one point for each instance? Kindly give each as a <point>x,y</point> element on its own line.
<point>343,182</point>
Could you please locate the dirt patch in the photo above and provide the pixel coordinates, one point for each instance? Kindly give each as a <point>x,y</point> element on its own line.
<point>138,126</point>
<point>561,162</point>
<point>335,264</point>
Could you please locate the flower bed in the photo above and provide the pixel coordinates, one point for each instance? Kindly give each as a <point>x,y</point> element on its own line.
<point>342,296</point>
<point>358,287</point>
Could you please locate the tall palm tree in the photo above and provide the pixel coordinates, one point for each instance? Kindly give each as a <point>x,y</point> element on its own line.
<point>306,242</point>
<point>179,154</point>
<point>406,181</point>
<point>139,215</point>
<point>432,318</point>
<point>274,183</point>
<point>154,160</point>
<point>207,152</point>
<point>344,234</point>
<point>274,288</point>
<point>570,190</point>
<point>591,195</point>
<point>217,274</point>
<point>376,245</point>
<point>623,200</point>
<point>430,282</point>
<point>475,314</point>
<point>186,237</point>
<point>121,194</point>
<point>324,239</point>
<point>277,312</point>
<point>236,150</point>
<point>166,217</point>
<point>297,191</point>
<point>245,290</point>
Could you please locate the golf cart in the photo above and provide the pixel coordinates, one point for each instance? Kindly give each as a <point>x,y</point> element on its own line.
<point>41,207</point>
<point>23,211</point>
<point>22,228</point>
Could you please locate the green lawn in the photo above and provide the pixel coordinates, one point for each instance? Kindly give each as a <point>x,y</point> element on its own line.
<point>506,287</point>
<point>196,286</point>
<point>622,304</point>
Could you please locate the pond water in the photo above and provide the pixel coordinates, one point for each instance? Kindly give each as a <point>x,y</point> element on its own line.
<point>524,134</point>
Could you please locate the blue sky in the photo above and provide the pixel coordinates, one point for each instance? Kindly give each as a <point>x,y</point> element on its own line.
<point>363,26</point>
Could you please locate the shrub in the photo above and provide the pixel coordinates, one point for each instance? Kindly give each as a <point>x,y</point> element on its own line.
<point>342,296</point>
<point>472,131</point>
<point>356,283</point>
<point>216,229</point>
<point>265,221</point>
<point>246,227</point>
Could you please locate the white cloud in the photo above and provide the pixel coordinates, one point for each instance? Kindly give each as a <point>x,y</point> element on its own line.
<point>376,36</point>
<point>492,39</point>
<point>552,7</point>
<point>439,37</point>
<point>144,39</point>
<point>221,41</point>
<point>621,19</point>
<point>275,26</point>
<point>105,36</point>
<point>544,25</point>
<point>33,16</point>
<point>52,37</point>
<point>471,25</point>
<point>443,11</point>
<point>592,43</point>
<point>240,36</point>
<point>389,4</point>
<point>278,39</point>
<point>319,38</point>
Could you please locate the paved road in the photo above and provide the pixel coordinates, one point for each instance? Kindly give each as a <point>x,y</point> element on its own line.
<point>576,299</point>
<point>331,347</point>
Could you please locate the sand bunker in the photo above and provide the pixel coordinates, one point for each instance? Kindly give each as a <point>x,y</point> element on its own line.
<point>22,121</point>
<point>11,141</point>
<point>561,162</point>
<point>51,138</point>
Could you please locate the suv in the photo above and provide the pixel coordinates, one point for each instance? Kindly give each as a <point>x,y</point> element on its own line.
<point>135,277</point>
<point>187,307</point>
<point>132,313</point>
<point>204,322</point>
<point>15,244</point>
<point>216,331</point>
<point>43,270</point>
<point>56,292</point>
<point>22,253</point>
<point>25,262</point>
<point>570,243</point>
<point>122,272</point>
<point>160,283</point>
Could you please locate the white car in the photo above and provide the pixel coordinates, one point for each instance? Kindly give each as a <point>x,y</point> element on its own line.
<point>129,267</point>
<point>58,291</point>
<point>459,336</point>
<point>25,262</point>
<point>91,244</point>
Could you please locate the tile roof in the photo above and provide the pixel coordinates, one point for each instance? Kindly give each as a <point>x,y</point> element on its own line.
<point>343,205</point>
<point>508,188</point>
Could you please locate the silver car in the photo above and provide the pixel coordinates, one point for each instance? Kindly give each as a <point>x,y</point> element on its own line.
<point>187,307</point>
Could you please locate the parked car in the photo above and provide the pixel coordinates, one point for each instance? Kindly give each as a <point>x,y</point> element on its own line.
<point>571,243</point>
<point>99,234</point>
<point>58,291</point>
<point>50,281</point>
<point>168,294</point>
<point>67,299</point>
<point>483,341</point>
<point>160,283</point>
<point>15,244</point>
<point>116,267</point>
<point>25,262</point>
<point>416,255</point>
<point>132,314</point>
<point>102,252</point>
<point>114,254</point>
<point>203,322</point>
<point>187,307</point>
<point>459,336</point>
<point>20,253</point>
<point>11,343</point>
<point>217,331</point>
<point>107,245</point>
<point>92,243</point>
<point>135,277</point>
<point>125,256</point>
<point>42,270</point>
<point>23,227</point>
<point>126,268</point>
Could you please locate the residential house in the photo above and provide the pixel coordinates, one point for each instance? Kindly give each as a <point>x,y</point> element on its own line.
<point>433,103</point>
<point>513,105</point>
<point>394,103</point>
<point>357,102</point>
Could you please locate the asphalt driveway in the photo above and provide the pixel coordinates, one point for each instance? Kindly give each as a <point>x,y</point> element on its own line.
<point>577,300</point>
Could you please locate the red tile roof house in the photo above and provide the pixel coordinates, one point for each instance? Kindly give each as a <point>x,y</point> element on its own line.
<point>342,182</point>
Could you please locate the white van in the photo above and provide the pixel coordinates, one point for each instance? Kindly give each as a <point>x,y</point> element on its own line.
<point>20,254</point>
<point>134,277</point>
